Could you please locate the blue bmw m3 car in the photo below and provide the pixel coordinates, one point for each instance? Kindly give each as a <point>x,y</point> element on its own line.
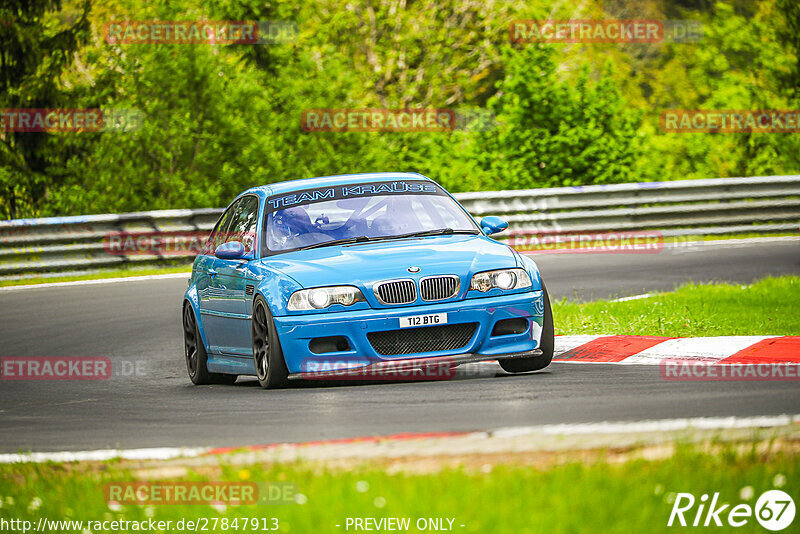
<point>359,272</point>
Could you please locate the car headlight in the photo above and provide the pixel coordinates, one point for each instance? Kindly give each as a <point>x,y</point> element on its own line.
<point>501,279</point>
<point>319,298</point>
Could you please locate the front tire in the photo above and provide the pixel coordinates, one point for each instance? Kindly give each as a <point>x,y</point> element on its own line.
<point>270,366</point>
<point>547,345</point>
<point>195,352</point>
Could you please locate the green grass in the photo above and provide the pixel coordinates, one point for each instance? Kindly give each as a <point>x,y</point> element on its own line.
<point>574,497</point>
<point>116,273</point>
<point>767,307</point>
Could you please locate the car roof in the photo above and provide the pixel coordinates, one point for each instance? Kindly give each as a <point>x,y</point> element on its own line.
<point>279,188</point>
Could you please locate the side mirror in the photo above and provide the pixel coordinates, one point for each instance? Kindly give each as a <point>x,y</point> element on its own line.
<point>232,250</point>
<point>492,225</point>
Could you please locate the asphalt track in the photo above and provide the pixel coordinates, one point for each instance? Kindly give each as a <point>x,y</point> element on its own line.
<point>138,322</point>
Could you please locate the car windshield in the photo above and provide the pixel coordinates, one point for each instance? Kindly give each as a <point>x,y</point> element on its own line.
<point>360,218</point>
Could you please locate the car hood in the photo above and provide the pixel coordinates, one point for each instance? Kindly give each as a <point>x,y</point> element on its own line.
<point>366,263</point>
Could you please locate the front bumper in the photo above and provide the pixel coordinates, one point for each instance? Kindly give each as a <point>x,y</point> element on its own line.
<point>296,332</point>
<point>422,368</point>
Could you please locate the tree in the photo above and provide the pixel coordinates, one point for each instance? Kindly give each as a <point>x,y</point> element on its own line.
<point>557,131</point>
<point>36,49</point>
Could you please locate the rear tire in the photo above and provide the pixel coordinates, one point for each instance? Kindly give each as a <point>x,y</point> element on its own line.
<point>195,352</point>
<point>270,366</point>
<point>547,345</point>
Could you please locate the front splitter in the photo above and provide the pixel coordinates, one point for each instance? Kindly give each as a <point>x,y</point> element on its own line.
<point>408,368</point>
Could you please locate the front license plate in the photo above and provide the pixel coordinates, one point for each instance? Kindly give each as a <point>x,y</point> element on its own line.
<point>423,320</point>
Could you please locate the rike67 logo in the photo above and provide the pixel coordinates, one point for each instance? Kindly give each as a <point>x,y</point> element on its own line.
<point>774,510</point>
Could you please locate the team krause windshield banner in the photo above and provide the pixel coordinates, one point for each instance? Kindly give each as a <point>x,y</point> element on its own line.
<point>341,192</point>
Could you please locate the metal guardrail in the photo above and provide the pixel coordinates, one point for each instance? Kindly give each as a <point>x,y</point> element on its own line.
<point>75,245</point>
<point>65,246</point>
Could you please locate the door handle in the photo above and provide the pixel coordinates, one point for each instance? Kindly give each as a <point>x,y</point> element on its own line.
<point>212,272</point>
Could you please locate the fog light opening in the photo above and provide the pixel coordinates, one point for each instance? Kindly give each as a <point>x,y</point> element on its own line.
<point>324,345</point>
<point>507,327</point>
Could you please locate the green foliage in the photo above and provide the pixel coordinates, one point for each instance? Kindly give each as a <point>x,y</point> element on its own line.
<point>35,51</point>
<point>220,118</point>
<point>743,62</point>
<point>555,131</point>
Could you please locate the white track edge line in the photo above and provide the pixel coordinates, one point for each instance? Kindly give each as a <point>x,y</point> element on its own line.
<point>97,281</point>
<point>157,453</point>
<point>656,425</point>
<point>606,427</point>
<point>633,297</point>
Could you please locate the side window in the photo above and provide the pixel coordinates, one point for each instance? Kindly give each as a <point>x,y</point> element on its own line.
<point>219,233</point>
<point>243,223</point>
